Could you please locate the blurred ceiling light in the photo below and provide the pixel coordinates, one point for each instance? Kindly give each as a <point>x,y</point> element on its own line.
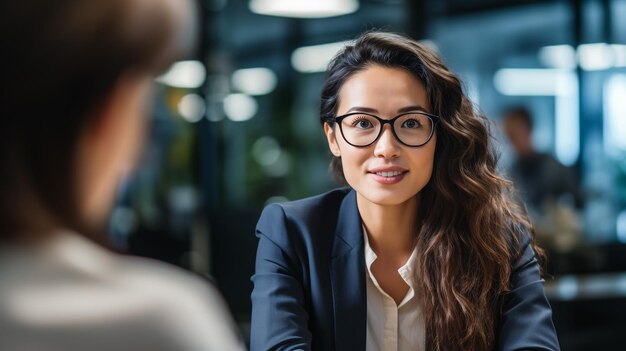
<point>615,115</point>
<point>567,118</point>
<point>240,107</point>
<point>254,81</point>
<point>558,56</point>
<point>304,8</point>
<point>184,74</point>
<point>594,57</point>
<point>567,288</point>
<point>527,81</point>
<point>192,107</point>
<point>266,151</point>
<point>311,59</point>
<point>591,57</point>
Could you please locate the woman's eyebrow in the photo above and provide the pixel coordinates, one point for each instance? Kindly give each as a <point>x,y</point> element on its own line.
<point>362,109</point>
<point>373,110</point>
<point>412,108</point>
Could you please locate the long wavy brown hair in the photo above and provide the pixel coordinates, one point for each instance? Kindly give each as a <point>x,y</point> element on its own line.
<point>470,230</point>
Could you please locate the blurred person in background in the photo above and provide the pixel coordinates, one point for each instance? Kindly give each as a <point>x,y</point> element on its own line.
<point>77,79</point>
<point>424,250</point>
<point>549,190</point>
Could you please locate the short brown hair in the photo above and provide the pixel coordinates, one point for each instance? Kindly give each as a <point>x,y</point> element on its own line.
<point>62,58</point>
<point>519,113</point>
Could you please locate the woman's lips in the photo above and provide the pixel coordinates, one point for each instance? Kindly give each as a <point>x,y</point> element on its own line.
<point>387,176</point>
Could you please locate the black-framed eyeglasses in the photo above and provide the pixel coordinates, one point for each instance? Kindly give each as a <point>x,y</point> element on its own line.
<point>361,129</point>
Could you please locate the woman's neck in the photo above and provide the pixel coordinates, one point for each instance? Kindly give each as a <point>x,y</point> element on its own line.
<point>390,228</point>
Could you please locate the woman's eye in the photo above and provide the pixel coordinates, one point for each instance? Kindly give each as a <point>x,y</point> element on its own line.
<point>364,124</point>
<point>361,123</point>
<point>411,124</point>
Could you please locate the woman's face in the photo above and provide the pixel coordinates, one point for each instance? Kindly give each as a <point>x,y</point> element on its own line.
<point>386,172</point>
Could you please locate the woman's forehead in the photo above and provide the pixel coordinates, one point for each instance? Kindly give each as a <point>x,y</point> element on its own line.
<point>385,89</point>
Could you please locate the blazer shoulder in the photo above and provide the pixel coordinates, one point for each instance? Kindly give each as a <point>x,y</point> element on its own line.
<point>328,202</point>
<point>519,237</point>
<point>309,209</point>
<point>305,217</point>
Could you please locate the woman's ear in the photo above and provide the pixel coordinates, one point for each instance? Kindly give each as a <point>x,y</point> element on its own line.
<point>332,140</point>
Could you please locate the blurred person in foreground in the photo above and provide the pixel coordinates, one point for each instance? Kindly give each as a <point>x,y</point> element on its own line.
<point>548,189</point>
<point>424,250</point>
<point>77,80</point>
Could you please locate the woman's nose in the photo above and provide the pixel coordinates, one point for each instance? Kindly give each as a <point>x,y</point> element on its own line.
<point>387,146</point>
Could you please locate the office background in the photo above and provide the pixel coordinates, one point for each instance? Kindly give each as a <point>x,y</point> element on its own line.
<point>236,127</point>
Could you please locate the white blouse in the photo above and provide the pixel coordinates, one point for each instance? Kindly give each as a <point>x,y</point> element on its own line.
<point>392,327</point>
<point>71,294</point>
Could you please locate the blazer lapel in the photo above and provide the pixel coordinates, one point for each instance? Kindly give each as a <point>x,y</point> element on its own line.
<point>348,278</point>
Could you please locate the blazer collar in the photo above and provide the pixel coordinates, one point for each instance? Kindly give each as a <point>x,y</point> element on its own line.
<point>348,232</point>
<point>347,272</point>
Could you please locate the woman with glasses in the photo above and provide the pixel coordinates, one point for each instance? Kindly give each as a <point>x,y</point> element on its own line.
<point>425,249</point>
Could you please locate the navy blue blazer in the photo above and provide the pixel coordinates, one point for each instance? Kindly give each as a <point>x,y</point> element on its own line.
<point>309,284</point>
